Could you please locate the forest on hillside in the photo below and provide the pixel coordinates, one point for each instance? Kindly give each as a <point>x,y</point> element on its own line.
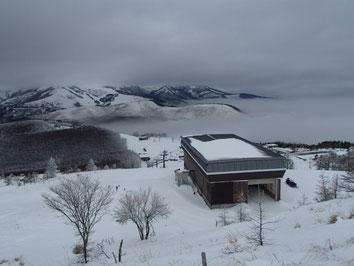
<point>26,147</point>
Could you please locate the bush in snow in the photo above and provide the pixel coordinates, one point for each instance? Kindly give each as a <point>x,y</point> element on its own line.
<point>289,163</point>
<point>82,201</point>
<point>91,166</point>
<point>347,182</point>
<point>233,245</point>
<point>241,212</point>
<point>224,218</point>
<point>30,178</point>
<point>9,180</point>
<point>327,190</point>
<point>51,169</point>
<point>130,160</point>
<point>303,200</point>
<point>142,207</point>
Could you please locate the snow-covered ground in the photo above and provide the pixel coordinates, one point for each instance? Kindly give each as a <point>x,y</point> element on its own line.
<point>35,235</point>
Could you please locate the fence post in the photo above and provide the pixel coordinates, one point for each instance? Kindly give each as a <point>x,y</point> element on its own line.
<point>204,260</point>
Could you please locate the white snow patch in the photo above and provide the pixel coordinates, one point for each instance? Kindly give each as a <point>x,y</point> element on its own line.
<point>226,149</point>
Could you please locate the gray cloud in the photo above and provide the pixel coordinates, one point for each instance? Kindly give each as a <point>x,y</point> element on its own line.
<point>269,47</point>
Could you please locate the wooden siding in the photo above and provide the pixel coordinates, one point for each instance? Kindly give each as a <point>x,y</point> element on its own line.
<point>199,179</point>
<point>226,188</point>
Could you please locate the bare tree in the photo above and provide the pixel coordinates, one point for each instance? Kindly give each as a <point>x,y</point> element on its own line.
<point>323,191</point>
<point>51,169</point>
<point>83,201</point>
<point>334,186</point>
<point>142,207</point>
<point>347,182</point>
<point>259,223</point>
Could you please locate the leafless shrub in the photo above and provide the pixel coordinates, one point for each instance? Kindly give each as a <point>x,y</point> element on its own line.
<point>347,182</point>
<point>324,252</point>
<point>223,218</point>
<point>233,245</point>
<point>91,165</point>
<point>83,202</point>
<point>323,191</point>
<point>9,179</point>
<point>142,207</point>
<point>241,212</point>
<point>105,247</point>
<point>289,163</point>
<point>303,200</point>
<point>259,224</point>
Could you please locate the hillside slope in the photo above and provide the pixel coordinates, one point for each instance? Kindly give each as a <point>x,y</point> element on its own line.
<point>303,236</point>
<point>31,103</point>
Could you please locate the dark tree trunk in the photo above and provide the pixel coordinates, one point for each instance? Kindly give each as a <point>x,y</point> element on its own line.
<point>85,241</point>
<point>147,230</point>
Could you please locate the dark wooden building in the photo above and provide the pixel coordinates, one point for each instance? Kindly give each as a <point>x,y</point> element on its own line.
<point>223,166</point>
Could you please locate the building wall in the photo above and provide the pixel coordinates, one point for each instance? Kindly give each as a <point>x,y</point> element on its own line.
<point>227,188</point>
<point>199,178</point>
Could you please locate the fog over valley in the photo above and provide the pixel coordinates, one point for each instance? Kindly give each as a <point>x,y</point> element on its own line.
<point>295,119</point>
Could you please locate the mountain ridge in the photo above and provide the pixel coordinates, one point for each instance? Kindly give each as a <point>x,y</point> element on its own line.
<point>36,102</point>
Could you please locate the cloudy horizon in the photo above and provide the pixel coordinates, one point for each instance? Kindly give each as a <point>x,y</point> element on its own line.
<point>264,47</point>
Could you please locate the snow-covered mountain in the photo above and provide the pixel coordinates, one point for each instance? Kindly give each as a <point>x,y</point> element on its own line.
<point>142,109</point>
<point>60,100</point>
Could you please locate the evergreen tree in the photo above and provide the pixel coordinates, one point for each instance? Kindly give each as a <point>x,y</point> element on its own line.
<point>51,169</point>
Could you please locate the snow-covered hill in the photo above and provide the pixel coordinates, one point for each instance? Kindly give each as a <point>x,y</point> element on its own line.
<point>31,103</point>
<point>304,235</point>
<point>142,109</point>
<point>112,102</point>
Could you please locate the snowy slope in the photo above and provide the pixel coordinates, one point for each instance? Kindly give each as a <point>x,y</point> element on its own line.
<point>143,109</point>
<point>68,97</point>
<point>130,101</point>
<point>303,236</point>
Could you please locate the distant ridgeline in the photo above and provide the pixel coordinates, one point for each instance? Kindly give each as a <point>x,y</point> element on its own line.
<point>27,146</point>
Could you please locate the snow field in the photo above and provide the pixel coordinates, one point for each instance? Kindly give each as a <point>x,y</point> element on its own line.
<point>30,230</point>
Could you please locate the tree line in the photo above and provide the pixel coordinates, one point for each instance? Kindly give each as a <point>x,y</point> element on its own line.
<point>71,148</point>
<point>333,144</point>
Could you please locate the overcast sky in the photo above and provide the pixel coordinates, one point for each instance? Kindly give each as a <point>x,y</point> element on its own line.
<point>270,47</point>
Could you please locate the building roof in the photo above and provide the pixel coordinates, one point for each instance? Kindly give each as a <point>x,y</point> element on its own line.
<point>222,153</point>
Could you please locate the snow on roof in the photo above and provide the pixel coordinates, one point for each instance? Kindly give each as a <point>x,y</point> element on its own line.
<point>231,148</point>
